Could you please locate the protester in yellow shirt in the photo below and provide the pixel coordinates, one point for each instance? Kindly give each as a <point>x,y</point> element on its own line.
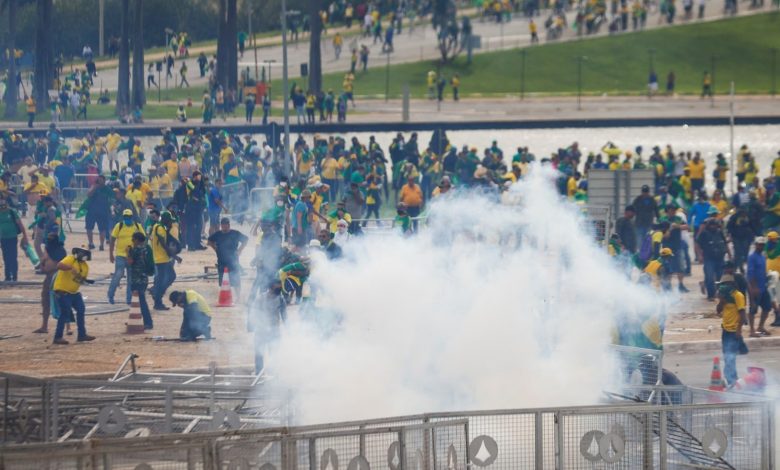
<point>697,169</point>
<point>72,272</point>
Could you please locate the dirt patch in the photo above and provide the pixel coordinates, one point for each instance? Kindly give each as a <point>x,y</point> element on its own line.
<point>33,354</point>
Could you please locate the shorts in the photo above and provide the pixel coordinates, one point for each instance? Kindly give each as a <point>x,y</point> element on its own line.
<point>103,223</point>
<point>761,300</point>
<point>676,261</point>
<point>653,87</point>
<point>113,156</point>
<point>68,194</point>
<point>214,218</point>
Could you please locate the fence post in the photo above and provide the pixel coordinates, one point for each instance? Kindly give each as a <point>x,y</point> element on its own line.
<point>433,446</point>
<point>55,411</point>
<point>662,441</point>
<point>538,443</point>
<point>402,449</point>
<point>168,425</point>
<point>312,454</point>
<point>426,445</point>
<point>559,440</point>
<point>5,408</point>
<point>647,441</point>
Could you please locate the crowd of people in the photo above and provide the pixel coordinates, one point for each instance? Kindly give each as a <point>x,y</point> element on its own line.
<point>148,209</point>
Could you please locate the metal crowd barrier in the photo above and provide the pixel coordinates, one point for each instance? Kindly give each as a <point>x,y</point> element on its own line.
<point>717,436</point>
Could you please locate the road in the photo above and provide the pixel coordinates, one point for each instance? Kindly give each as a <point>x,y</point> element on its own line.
<point>410,46</point>
<point>694,368</point>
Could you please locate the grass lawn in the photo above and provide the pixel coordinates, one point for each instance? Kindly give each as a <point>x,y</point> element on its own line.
<point>614,65</point>
<point>96,112</point>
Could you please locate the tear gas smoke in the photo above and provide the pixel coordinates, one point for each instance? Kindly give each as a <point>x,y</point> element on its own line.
<point>491,306</point>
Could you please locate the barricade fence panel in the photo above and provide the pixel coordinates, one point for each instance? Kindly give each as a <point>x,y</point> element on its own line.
<point>719,435</point>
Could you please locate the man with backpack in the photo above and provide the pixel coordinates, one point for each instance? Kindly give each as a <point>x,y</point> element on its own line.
<point>141,262</point>
<point>121,240</point>
<point>165,250</point>
<point>713,246</point>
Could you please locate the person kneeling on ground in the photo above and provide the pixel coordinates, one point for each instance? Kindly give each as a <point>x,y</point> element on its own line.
<point>196,320</point>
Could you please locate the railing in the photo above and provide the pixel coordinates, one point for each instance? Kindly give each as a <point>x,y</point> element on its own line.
<point>724,435</point>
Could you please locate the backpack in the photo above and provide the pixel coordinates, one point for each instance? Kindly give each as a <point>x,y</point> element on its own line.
<point>172,244</point>
<point>646,250</point>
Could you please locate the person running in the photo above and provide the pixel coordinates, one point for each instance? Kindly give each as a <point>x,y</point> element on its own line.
<point>72,272</point>
<point>196,318</point>
<point>183,74</point>
<point>150,76</point>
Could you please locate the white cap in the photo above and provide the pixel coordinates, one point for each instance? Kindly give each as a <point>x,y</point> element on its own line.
<point>314,243</point>
<point>760,241</point>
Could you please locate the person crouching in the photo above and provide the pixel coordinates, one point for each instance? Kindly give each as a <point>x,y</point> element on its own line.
<point>196,320</point>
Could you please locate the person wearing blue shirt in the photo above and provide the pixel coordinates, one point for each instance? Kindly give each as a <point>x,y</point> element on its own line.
<point>757,288</point>
<point>64,174</point>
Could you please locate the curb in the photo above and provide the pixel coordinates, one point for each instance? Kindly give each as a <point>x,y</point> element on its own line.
<point>754,344</point>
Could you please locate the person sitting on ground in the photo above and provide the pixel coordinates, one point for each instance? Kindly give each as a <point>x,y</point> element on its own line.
<point>196,320</point>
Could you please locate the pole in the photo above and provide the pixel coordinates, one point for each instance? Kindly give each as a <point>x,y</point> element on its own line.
<point>387,77</point>
<point>522,73</point>
<point>651,53</point>
<point>774,72</point>
<point>579,83</point>
<point>254,45</point>
<point>731,134</point>
<point>713,59</point>
<point>159,88</point>
<point>285,89</point>
<point>101,26</point>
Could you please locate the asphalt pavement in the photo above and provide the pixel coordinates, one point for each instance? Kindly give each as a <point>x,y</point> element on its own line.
<point>694,368</point>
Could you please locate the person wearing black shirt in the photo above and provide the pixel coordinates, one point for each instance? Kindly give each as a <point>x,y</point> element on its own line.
<point>228,244</point>
<point>626,230</point>
<point>646,210</point>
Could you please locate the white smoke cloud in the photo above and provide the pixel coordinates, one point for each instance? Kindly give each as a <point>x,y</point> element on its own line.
<point>460,316</point>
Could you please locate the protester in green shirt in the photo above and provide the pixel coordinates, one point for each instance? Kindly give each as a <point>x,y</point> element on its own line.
<point>10,228</point>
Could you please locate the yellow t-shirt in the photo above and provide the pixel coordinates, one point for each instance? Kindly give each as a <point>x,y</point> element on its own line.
<point>66,280</point>
<point>776,168</point>
<point>731,317</point>
<point>172,167</point>
<point>113,141</point>
<point>123,235</point>
<point>158,245</point>
<point>697,169</point>
<point>329,168</point>
<point>136,196</point>
<point>39,188</point>
<point>224,155</point>
<point>571,186</point>
<point>161,186</point>
<point>194,297</point>
<point>722,205</point>
<point>47,181</point>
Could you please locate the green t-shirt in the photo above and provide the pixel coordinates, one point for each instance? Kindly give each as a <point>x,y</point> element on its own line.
<point>8,222</point>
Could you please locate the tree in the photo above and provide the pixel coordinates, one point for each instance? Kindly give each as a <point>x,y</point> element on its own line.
<point>227,45</point>
<point>123,77</point>
<point>445,23</point>
<point>139,95</point>
<point>11,91</point>
<point>44,56</point>
<point>315,49</point>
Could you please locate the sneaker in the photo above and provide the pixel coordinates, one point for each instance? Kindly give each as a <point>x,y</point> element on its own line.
<point>147,328</point>
<point>682,288</point>
<point>101,248</point>
<point>111,301</point>
<point>86,338</point>
<point>161,307</point>
<point>701,288</point>
<point>60,341</point>
<point>91,246</point>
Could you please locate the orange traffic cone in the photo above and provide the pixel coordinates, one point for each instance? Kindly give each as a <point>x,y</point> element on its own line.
<point>716,380</point>
<point>225,293</point>
<point>134,327</point>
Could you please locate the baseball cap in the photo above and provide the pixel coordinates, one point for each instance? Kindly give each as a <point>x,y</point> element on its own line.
<point>645,188</point>
<point>666,252</point>
<point>760,241</point>
<point>772,235</point>
<point>127,212</point>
